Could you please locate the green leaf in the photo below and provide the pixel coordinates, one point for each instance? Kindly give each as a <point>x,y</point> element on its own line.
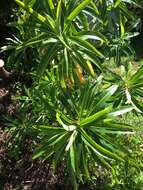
<point>108,93</point>
<point>84,20</point>
<point>95,116</point>
<point>47,20</point>
<point>49,129</point>
<point>66,61</point>
<point>51,22</point>
<point>121,111</point>
<point>31,11</point>
<point>137,75</point>
<point>72,167</point>
<point>100,150</point>
<point>137,106</point>
<point>59,152</point>
<point>132,2</point>
<point>122,27</point>
<point>92,37</point>
<point>106,96</point>
<point>67,119</point>
<point>76,11</point>
<point>117,3</point>
<point>44,147</point>
<point>51,4</point>
<point>49,7</point>
<point>85,163</point>
<point>66,127</point>
<point>85,45</point>
<point>33,42</point>
<point>61,139</point>
<point>113,129</point>
<point>128,95</point>
<point>46,59</point>
<point>95,7</point>
<point>72,158</point>
<point>71,140</point>
<point>58,16</point>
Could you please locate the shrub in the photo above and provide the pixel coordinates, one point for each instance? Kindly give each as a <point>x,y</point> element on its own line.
<point>76,101</point>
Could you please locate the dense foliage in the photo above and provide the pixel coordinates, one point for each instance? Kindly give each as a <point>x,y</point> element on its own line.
<point>79,58</point>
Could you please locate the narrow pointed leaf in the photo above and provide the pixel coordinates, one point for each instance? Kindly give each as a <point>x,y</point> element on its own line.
<point>121,111</point>
<point>109,92</point>
<point>77,10</point>
<point>71,140</point>
<point>99,148</point>
<point>95,116</point>
<point>85,45</point>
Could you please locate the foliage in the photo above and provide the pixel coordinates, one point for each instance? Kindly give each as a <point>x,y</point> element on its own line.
<point>76,101</point>
<point>129,80</point>
<point>131,177</point>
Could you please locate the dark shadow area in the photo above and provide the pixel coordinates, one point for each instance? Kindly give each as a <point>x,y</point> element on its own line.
<point>6,15</point>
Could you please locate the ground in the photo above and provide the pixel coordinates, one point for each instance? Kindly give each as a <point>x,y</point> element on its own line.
<point>21,172</point>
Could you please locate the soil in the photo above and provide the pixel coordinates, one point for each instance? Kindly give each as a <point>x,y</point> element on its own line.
<point>22,173</point>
